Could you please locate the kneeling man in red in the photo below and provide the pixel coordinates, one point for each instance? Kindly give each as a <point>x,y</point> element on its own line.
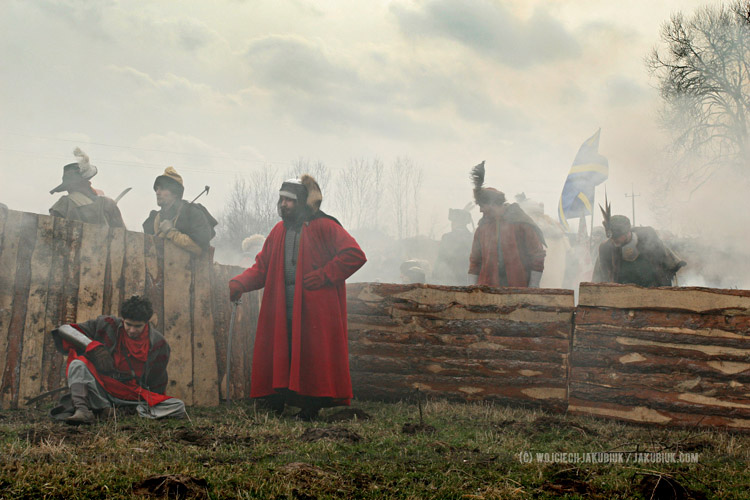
<point>116,363</point>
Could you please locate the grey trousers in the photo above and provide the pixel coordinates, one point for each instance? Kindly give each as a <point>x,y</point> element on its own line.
<point>99,399</point>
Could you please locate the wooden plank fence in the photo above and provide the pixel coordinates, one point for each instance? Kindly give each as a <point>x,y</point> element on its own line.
<point>55,271</point>
<point>669,356</point>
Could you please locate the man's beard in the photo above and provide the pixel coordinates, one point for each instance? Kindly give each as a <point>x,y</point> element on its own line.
<point>289,215</point>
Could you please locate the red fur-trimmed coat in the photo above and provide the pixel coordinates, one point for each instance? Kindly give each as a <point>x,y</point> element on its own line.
<point>523,249</point>
<point>317,361</point>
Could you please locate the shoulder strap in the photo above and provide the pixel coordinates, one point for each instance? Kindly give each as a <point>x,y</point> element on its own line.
<point>80,199</point>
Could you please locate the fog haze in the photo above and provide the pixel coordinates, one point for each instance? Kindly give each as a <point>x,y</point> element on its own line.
<point>217,89</point>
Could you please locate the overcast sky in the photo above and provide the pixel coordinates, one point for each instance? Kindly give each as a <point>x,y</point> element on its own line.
<point>223,87</point>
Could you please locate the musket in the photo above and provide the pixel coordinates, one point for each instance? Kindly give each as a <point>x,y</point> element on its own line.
<point>229,347</point>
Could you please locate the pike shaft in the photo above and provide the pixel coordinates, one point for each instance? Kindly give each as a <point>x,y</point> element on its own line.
<point>229,349</point>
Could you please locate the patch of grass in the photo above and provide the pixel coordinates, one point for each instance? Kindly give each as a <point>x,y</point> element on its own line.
<point>473,451</point>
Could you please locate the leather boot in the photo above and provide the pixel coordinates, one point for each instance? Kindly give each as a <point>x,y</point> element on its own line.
<point>310,408</point>
<point>83,414</point>
<point>274,403</point>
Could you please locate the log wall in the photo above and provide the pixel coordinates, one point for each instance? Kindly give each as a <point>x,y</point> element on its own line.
<point>671,356</point>
<point>55,271</point>
<point>507,345</point>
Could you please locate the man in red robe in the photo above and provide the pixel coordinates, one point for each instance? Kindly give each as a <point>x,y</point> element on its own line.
<point>508,248</point>
<point>301,356</point>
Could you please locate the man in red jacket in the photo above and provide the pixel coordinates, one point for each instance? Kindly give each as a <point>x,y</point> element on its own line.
<point>116,363</point>
<point>508,248</point>
<point>301,357</point>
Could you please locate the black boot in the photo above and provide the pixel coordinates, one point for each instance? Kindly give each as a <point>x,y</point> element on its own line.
<point>79,395</point>
<point>310,408</point>
<point>274,403</point>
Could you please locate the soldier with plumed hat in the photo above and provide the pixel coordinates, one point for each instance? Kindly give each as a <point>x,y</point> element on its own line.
<point>633,255</point>
<point>82,202</point>
<point>508,247</point>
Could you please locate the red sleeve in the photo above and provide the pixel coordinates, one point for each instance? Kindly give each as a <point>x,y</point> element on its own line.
<point>348,256</point>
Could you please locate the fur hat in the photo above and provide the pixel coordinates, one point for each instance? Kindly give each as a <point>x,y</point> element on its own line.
<point>170,180</point>
<point>314,194</point>
<point>305,190</point>
<point>74,173</point>
<point>293,189</point>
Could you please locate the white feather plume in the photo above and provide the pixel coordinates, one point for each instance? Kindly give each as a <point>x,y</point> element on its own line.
<point>85,167</point>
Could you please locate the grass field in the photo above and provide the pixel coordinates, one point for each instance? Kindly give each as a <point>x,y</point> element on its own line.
<point>371,450</point>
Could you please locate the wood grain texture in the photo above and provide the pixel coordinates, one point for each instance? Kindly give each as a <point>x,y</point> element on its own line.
<point>134,266</point>
<point>93,266</point>
<point>20,297</point>
<point>668,356</point>
<point>693,299</point>
<point>54,314</point>
<point>113,280</point>
<point>205,371</point>
<point>35,327</point>
<point>9,243</point>
<point>72,271</point>
<point>178,329</point>
<point>470,343</point>
<point>153,256</point>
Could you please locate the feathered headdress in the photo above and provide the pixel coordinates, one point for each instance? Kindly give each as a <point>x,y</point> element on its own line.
<point>73,173</point>
<point>483,195</point>
<point>477,178</point>
<point>85,167</point>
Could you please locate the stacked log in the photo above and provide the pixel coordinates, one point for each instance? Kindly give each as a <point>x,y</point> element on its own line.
<point>671,356</point>
<point>508,345</point>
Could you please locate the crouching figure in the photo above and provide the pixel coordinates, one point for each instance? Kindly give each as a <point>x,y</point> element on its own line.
<point>116,363</point>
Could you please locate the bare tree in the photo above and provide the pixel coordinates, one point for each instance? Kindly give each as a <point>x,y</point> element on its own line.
<point>703,72</point>
<point>416,190</point>
<point>402,175</point>
<point>264,197</point>
<point>317,169</point>
<point>236,221</point>
<point>359,189</point>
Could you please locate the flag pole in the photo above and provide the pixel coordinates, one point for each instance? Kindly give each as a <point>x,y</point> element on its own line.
<point>591,234</point>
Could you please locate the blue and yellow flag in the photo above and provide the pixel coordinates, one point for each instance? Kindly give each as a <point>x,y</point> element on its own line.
<point>589,170</point>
